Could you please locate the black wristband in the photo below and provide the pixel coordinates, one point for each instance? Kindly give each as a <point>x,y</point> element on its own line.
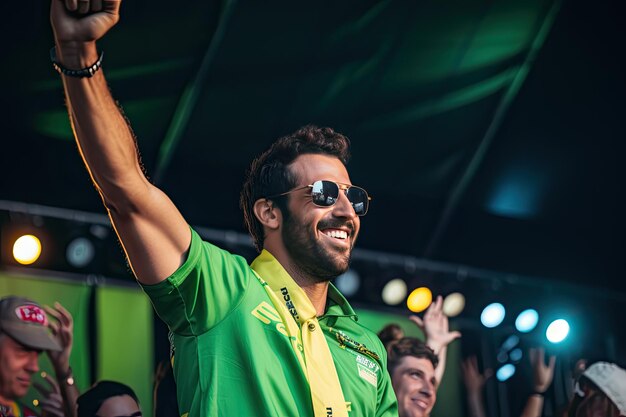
<point>80,73</point>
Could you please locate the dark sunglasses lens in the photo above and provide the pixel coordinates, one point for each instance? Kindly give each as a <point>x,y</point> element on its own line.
<point>359,200</point>
<point>324,193</point>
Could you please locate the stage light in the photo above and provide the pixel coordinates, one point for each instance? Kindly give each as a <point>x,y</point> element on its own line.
<point>27,249</point>
<point>516,355</point>
<point>348,283</point>
<point>419,299</point>
<point>557,331</point>
<point>510,343</point>
<point>527,320</point>
<point>492,315</point>
<point>505,372</point>
<point>453,304</point>
<point>80,252</point>
<point>394,292</point>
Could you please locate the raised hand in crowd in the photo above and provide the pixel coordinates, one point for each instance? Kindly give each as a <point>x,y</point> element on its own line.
<point>474,383</point>
<point>542,373</point>
<point>542,378</point>
<point>52,402</point>
<point>437,333</point>
<point>62,328</point>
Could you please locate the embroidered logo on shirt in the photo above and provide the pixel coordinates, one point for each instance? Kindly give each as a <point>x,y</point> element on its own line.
<point>345,341</point>
<point>367,369</point>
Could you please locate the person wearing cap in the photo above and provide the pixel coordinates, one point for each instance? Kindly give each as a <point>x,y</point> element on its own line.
<point>25,332</point>
<point>600,392</point>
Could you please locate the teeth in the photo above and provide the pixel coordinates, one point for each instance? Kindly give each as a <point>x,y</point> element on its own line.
<point>337,234</point>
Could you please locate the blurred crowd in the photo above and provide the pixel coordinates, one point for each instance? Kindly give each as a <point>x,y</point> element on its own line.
<point>416,367</point>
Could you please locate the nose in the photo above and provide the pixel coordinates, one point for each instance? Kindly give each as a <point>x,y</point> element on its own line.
<point>343,207</point>
<point>32,365</point>
<point>427,389</point>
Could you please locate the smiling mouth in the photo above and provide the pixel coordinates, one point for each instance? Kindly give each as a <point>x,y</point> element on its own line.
<point>23,381</point>
<point>421,403</point>
<point>336,234</point>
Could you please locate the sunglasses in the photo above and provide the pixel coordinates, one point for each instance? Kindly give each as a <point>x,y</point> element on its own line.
<point>326,193</point>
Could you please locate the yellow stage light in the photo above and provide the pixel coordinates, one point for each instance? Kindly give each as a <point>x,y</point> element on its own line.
<point>27,249</point>
<point>419,299</point>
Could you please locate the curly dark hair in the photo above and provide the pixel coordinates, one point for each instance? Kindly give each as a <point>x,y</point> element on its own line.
<point>408,346</point>
<point>269,173</point>
<point>390,333</point>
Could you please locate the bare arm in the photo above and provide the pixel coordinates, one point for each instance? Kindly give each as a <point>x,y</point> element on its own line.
<point>437,333</point>
<point>62,328</point>
<point>474,382</point>
<point>153,233</point>
<point>542,378</point>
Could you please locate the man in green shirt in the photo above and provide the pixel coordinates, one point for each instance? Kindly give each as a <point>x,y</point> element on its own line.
<point>271,339</point>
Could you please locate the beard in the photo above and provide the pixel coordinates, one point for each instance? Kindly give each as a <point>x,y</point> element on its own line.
<point>309,255</point>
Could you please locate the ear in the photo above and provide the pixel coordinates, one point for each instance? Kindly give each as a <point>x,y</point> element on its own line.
<point>267,213</point>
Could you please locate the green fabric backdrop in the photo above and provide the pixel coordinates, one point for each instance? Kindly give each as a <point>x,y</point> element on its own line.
<point>125,334</point>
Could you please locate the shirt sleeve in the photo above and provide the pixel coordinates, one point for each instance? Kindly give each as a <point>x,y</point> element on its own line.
<point>386,403</point>
<point>202,291</point>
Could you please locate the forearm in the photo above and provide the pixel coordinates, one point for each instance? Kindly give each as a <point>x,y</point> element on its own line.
<point>68,389</point>
<point>475,404</point>
<point>441,353</point>
<point>534,406</point>
<point>104,137</point>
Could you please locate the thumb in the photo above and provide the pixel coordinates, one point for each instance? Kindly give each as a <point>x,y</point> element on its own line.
<point>454,335</point>
<point>111,6</point>
<point>418,321</point>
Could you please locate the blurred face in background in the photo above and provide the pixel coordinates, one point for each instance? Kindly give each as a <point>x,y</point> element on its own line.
<point>415,386</point>
<point>18,363</point>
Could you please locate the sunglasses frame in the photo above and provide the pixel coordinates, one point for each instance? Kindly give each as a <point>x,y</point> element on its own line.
<point>340,186</point>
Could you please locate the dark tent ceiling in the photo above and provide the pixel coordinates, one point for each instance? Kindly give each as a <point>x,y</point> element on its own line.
<point>489,133</point>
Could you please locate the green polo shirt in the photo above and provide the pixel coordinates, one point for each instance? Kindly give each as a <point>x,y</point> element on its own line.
<point>232,357</point>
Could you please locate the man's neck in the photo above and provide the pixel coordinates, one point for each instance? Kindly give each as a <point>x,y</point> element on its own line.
<point>5,401</point>
<point>315,290</point>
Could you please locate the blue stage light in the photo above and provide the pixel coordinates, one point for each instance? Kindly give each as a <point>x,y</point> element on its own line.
<point>527,320</point>
<point>492,315</point>
<point>557,331</point>
<point>516,355</point>
<point>505,372</point>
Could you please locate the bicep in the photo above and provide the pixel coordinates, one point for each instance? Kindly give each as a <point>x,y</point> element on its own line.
<point>153,233</point>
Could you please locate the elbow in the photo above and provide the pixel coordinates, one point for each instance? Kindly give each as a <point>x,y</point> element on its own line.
<point>122,198</point>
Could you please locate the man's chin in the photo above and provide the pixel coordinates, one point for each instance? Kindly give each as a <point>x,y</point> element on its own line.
<point>20,392</point>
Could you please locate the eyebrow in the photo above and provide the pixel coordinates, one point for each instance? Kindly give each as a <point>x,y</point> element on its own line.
<point>433,380</point>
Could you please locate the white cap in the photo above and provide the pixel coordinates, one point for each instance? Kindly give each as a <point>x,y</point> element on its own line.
<point>611,379</point>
